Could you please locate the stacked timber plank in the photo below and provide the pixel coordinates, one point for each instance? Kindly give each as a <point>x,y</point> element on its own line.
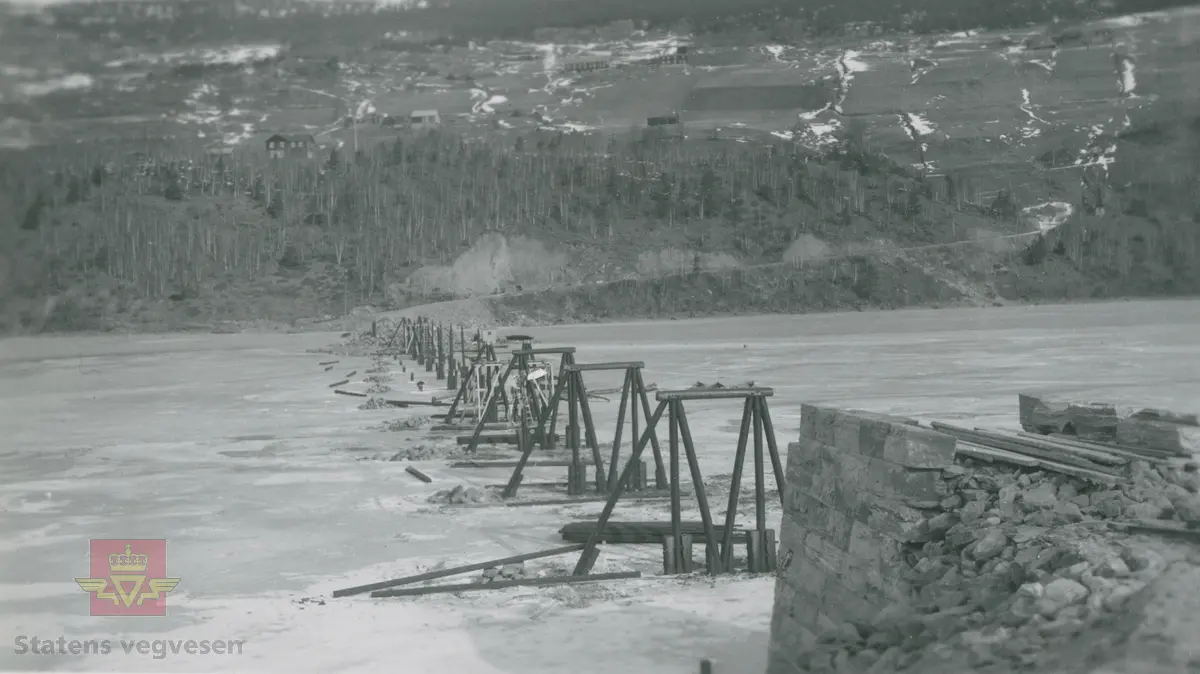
<point>1088,440</point>
<point>1138,428</point>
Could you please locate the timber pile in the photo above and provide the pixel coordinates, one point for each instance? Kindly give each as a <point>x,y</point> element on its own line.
<point>1086,461</point>
<point>1097,442</point>
<point>1136,429</point>
<point>1157,485</point>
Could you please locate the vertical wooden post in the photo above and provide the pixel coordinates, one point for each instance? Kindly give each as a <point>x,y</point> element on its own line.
<point>754,561</point>
<point>419,339</point>
<point>673,448</point>
<point>451,367</point>
<point>760,499</point>
<point>685,554</point>
<point>441,354</point>
<point>572,418</point>
<point>430,350</point>
<point>634,386</point>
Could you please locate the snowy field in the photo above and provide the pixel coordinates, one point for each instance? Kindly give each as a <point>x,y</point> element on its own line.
<point>272,491</point>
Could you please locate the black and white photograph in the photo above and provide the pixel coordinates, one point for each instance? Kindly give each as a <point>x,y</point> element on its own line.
<point>594,336</point>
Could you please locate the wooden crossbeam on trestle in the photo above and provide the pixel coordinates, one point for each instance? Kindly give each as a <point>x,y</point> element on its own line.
<point>677,547</point>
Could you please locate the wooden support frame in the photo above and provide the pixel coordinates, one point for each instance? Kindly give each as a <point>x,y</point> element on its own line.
<point>415,341</point>
<point>572,386</point>
<point>486,353</point>
<point>520,362</point>
<point>756,422</point>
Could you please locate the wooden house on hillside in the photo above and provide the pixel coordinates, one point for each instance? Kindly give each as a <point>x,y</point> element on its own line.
<point>298,146</point>
<point>424,119</point>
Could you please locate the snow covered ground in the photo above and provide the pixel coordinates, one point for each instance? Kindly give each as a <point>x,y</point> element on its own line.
<point>272,495</point>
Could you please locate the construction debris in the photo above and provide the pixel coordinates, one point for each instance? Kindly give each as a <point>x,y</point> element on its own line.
<point>500,584</point>
<point>457,570</point>
<point>506,572</point>
<point>460,495</point>
<point>376,403</point>
<point>418,474</point>
<point>1131,427</point>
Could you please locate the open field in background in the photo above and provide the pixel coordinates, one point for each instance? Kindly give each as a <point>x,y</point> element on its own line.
<point>972,103</point>
<point>207,440</point>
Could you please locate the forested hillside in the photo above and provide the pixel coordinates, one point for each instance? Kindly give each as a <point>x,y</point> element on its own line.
<point>191,240</point>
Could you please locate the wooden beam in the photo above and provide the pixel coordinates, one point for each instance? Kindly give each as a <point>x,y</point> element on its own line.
<point>512,464</point>
<point>454,571</point>
<point>418,474</point>
<point>501,584</point>
<point>713,393</point>
<point>592,367</point>
<point>585,499</point>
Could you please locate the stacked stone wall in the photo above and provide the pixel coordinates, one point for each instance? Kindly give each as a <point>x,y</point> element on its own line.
<point>896,555</point>
<point>856,484</point>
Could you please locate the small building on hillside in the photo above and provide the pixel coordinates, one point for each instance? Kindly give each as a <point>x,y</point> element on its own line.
<point>298,146</point>
<point>663,120</point>
<point>424,119</point>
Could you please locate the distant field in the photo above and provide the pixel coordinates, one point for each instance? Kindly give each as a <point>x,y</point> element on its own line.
<point>708,98</point>
<point>298,118</point>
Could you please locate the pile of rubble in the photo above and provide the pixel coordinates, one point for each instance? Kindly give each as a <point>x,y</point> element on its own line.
<point>407,424</point>
<point>1016,562</point>
<point>379,383</point>
<point>460,495</point>
<point>376,403</point>
<point>506,572</point>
